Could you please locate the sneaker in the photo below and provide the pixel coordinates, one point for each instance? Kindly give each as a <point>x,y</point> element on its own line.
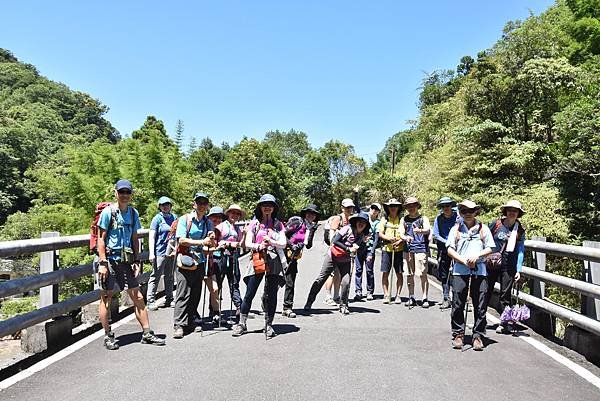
<point>215,319</point>
<point>307,308</point>
<point>369,297</point>
<point>331,302</point>
<point>110,342</point>
<point>386,300</point>
<point>270,332</point>
<point>477,344</point>
<point>504,329</point>
<point>152,305</point>
<point>411,302</point>
<point>150,338</point>
<point>458,342</point>
<point>178,332</point>
<point>338,301</point>
<point>198,329</point>
<point>358,297</point>
<point>239,329</point>
<point>398,300</point>
<point>425,304</point>
<point>344,310</point>
<point>445,304</point>
<point>288,313</point>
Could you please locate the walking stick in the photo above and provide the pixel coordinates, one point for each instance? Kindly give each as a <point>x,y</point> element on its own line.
<point>391,277</point>
<point>204,295</point>
<point>229,264</point>
<point>462,349</point>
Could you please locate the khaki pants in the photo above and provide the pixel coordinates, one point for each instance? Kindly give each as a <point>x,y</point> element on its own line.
<point>415,263</point>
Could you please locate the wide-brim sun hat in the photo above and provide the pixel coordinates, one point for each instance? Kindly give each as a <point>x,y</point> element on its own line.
<point>468,204</point>
<point>163,200</point>
<point>360,216</point>
<point>266,198</point>
<point>391,202</point>
<point>411,200</point>
<point>376,206</point>
<point>200,195</point>
<point>310,208</point>
<point>217,210</point>
<point>235,206</point>
<point>515,204</point>
<point>347,202</point>
<point>446,200</point>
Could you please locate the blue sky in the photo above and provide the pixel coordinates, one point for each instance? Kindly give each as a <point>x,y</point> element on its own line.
<point>347,70</point>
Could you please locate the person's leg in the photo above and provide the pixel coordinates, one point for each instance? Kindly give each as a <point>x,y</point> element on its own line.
<point>153,282</point>
<point>478,294</point>
<point>270,297</point>
<point>386,263</point>
<point>459,298</point>
<point>399,269</point>
<point>183,300</point>
<point>409,267</point>
<point>139,307</point>
<point>336,284</point>
<point>326,270</point>
<point>168,266</point>
<point>290,282</point>
<point>252,285</point>
<point>506,286</point>
<point>492,278</point>
<point>358,279</point>
<point>370,275</point>
<point>420,260</point>
<point>344,269</point>
<point>104,309</point>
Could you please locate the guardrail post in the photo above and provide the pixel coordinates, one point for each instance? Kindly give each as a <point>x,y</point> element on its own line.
<point>48,263</point>
<point>591,274</point>
<point>538,287</point>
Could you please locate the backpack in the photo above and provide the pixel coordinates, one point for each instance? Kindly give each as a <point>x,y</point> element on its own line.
<point>327,228</point>
<point>94,227</point>
<point>172,243</point>
<point>457,237</point>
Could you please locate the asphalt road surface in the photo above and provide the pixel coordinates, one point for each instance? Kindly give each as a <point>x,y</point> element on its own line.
<point>378,352</point>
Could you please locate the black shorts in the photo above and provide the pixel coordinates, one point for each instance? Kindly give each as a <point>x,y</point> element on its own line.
<point>121,274</point>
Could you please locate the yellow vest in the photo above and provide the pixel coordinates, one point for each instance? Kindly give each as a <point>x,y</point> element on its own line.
<point>390,228</point>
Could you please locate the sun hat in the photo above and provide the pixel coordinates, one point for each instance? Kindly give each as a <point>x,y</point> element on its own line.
<point>469,204</point>
<point>348,203</point>
<point>199,195</point>
<point>446,200</point>
<point>410,201</point>
<point>266,198</point>
<point>391,202</point>
<point>164,199</point>
<point>376,206</point>
<point>123,184</point>
<point>514,204</point>
<point>235,206</point>
<point>359,216</point>
<point>310,208</point>
<point>217,210</point>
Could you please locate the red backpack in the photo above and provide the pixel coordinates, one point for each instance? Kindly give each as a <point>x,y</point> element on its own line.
<point>172,243</point>
<point>94,227</point>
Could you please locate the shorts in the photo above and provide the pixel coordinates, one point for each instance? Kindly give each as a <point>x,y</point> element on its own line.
<point>120,273</point>
<point>386,261</point>
<point>417,264</point>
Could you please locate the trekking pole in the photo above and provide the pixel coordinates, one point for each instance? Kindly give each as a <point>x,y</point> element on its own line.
<point>229,264</point>
<point>462,349</point>
<point>391,277</point>
<point>204,296</point>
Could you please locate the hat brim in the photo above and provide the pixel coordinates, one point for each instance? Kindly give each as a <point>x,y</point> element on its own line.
<point>442,204</point>
<point>231,210</point>
<point>503,210</point>
<point>413,203</point>
<point>303,212</point>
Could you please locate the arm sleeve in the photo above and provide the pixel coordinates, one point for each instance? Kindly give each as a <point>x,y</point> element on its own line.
<point>154,223</point>
<point>450,242</point>
<point>339,241</point>
<point>436,230</point>
<point>520,255</point>
<point>402,230</point>
<point>281,238</point>
<point>181,227</point>
<point>489,238</point>
<point>356,203</point>
<point>374,246</point>
<point>137,224</point>
<point>309,238</point>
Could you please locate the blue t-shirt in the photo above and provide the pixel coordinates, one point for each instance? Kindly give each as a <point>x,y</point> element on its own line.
<point>119,232</point>
<point>161,224</point>
<point>469,242</point>
<point>198,231</point>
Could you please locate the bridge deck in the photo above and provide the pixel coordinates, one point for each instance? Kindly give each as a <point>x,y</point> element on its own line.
<point>377,352</point>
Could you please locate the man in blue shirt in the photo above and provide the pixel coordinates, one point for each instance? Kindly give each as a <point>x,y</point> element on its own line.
<point>469,241</point>
<point>441,227</point>
<point>161,264</point>
<point>118,262</point>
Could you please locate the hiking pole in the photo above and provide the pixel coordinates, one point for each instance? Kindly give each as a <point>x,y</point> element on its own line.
<point>462,348</point>
<point>204,295</point>
<point>228,265</point>
<point>391,277</point>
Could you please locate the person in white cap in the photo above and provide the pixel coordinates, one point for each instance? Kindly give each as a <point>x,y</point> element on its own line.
<point>369,262</point>
<point>508,255</point>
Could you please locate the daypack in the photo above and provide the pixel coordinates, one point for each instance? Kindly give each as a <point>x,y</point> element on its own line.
<point>172,243</point>
<point>457,237</point>
<point>94,227</point>
<point>327,228</point>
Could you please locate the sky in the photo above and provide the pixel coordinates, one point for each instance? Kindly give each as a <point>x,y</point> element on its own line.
<point>346,70</point>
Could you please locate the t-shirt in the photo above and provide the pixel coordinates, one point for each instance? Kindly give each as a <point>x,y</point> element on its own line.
<point>419,242</point>
<point>161,224</point>
<point>390,227</point>
<point>510,260</point>
<point>262,231</point>
<point>119,233</point>
<point>198,231</point>
<point>470,243</point>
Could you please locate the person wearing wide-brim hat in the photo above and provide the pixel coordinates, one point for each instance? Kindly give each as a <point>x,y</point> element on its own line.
<point>345,244</point>
<point>469,241</point>
<point>509,237</point>
<point>391,253</point>
<point>300,232</point>
<point>158,240</point>
<point>213,277</point>
<point>414,230</point>
<point>265,237</point>
<point>368,263</point>
<point>231,239</point>
<point>442,224</point>
<point>194,232</point>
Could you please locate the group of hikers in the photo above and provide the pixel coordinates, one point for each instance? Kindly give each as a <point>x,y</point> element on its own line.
<point>203,247</point>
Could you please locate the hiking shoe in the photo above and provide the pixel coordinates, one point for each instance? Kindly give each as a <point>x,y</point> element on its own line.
<point>198,329</point>
<point>239,329</point>
<point>307,308</point>
<point>411,302</point>
<point>477,344</point>
<point>150,338</point>
<point>369,297</point>
<point>344,310</point>
<point>110,342</point>
<point>358,297</point>
<point>270,332</point>
<point>398,300</point>
<point>178,332</point>
<point>425,304</point>
<point>445,304</point>
<point>288,313</point>
<point>458,341</point>
<point>386,299</point>
<point>215,319</point>
<point>152,305</point>
<point>504,329</point>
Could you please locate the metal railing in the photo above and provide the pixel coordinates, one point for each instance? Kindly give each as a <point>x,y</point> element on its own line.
<point>588,318</point>
<point>50,277</point>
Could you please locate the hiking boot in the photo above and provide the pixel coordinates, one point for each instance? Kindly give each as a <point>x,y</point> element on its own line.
<point>411,302</point>
<point>458,341</point>
<point>288,313</point>
<point>270,332</point>
<point>358,297</point>
<point>369,297</point>
<point>110,342</point>
<point>398,300</point>
<point>152,305</point>
<point>425,304</point>
<point>239,329</point>
<point>178,332</point>
<point>445,304</point>
<point>150,338</point>
<point>344,310</point>
<point>477,344</point>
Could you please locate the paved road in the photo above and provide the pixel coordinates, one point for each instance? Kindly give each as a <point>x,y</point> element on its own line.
<point>378,352</point>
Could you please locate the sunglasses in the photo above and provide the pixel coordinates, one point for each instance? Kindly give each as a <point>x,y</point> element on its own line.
<point>124,192</point>
<point>201,202</point>
<point>468,211</point>
<point>271,205</point>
